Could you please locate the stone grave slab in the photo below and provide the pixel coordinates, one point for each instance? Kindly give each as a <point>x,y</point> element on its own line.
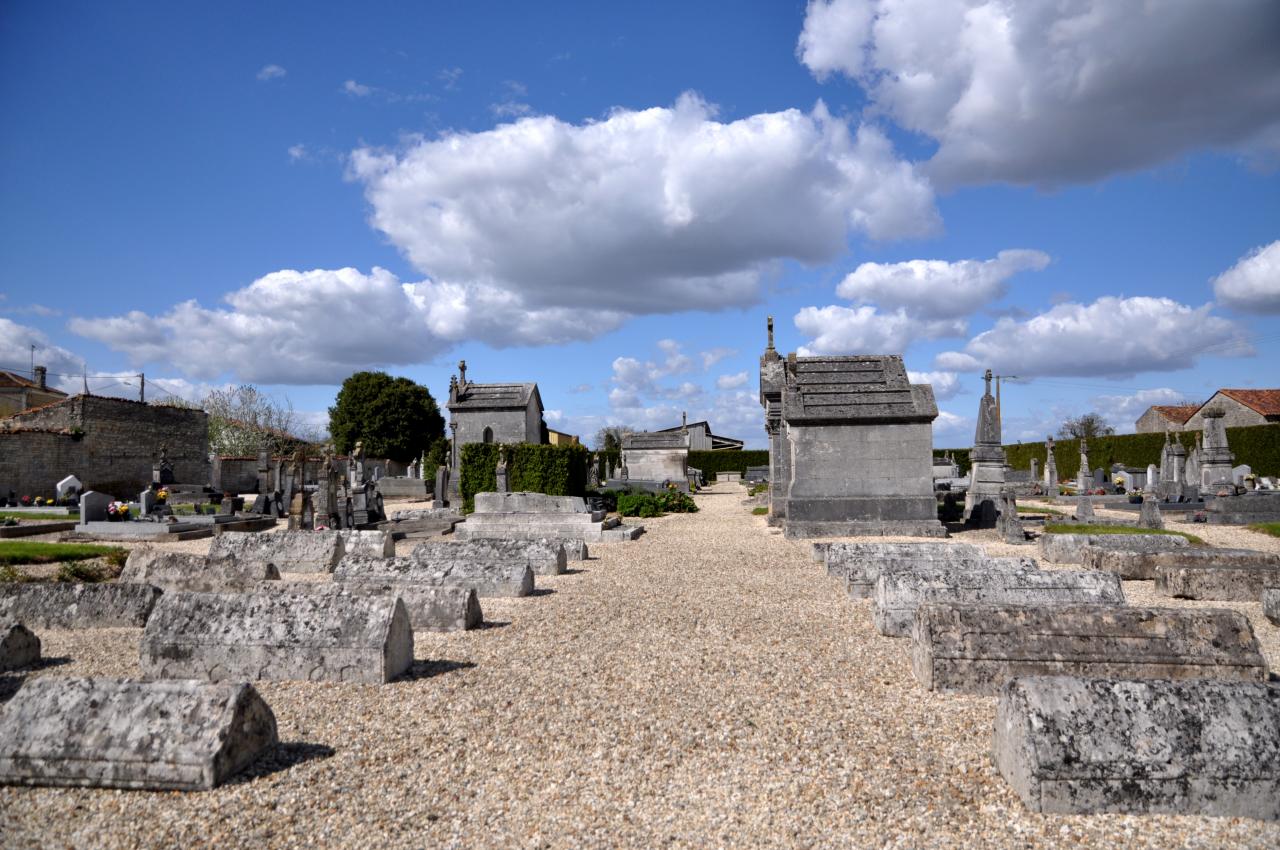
<point>288,551</point>
<point>1141,566</point>
<point>184,572</point>
<point>1242,583</point>
<point>975,649</point>
<point>1271,605</point>
<point>108,733</point>
<point>843,550</point>
<point>40,605</point>
<point>900,591</point>
<point>431,608</point>
<point>93,506</point>
<point>1197,747</point>
<point>19,647</point>
<point>534,515</point>
<point>860,575</point>
<point>546,557</point>
<point>367,544</point>
<point>1070,548</point>
<point>488,580</point>
<point>219,636</point>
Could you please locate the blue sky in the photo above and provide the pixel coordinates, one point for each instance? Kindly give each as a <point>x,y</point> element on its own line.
<point>608,199</point>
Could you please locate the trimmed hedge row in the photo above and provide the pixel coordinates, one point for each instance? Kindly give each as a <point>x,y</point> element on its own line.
<point>554,470</point>
<point>1255,445</point>
<point>732,460</point>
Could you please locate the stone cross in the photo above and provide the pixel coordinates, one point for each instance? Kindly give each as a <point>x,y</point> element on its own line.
<point>769,347</point>
<point>462,372</point>
<point>500,472</point>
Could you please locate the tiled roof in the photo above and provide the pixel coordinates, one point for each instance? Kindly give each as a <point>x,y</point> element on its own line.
<point>12,379</point>
<point>1179,413</point>
<point>1266,402</point>
<point>493,396</point>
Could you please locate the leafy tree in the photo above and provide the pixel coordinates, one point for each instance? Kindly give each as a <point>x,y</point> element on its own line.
<point>609,438</point>
<point>395,417</point>
<point>242,418</point>
<point>1089,425</point>
<point>437,456</point>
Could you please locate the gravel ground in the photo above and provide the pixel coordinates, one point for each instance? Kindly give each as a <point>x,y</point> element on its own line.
<point>705,686</point>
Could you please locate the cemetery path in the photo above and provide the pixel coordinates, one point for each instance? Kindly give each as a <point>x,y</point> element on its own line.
<point>704,686</point>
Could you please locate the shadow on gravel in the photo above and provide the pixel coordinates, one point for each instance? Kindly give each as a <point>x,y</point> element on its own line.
<point>542,591</point>
<point>573,572</point>
<point>491,624</point>
<point>282,757</point>
<point>431,669</point>
<point>10,683</point>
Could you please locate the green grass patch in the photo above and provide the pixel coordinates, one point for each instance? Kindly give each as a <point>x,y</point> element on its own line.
<point>761,511</point>
<point>1033,509</point>
<point>1059,528</point>
<point>17,515</point>
<point>23,552</point>
<point>1272,528</point>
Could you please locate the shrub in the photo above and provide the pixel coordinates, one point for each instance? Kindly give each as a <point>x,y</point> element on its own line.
<point>79,572</point>
<point>757,489</point>
<point>759,511</point>
<point>554,470</point>
<point>675,502</point>
<point>638,504</point>
<point>732,460</point>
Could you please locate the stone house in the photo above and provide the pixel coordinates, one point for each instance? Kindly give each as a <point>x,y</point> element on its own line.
<point>110,444</point>
<point>1239,408</point>
<point>702,440</point>
<point>1165,417</point>
<point>559,438</point>
<point>493,413</point>
<point>18,393</point>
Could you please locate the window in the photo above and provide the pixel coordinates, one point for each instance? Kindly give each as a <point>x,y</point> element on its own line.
<point>486,436</point>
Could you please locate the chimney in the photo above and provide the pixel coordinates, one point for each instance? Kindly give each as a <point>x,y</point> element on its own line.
<point>42,377</point>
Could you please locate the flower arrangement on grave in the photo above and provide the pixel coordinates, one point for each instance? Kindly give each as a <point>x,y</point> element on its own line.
<point>26,501</point>
<point>117,511</point>
<point>162,495</point>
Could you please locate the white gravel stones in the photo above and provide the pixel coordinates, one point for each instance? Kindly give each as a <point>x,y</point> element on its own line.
<point>900,592</point>
<point>185,736</point>
<point>977,648</point>
<point>77,606</point>
<point>1079,746</point>
<point>220,636</point>
<point>179,571</point>
<point>19,647</point>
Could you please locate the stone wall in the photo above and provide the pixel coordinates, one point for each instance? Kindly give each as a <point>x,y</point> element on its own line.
<point>508,426</point>
<point>1236,415</point>
<point>1155,422</point>
<point>110,444</point>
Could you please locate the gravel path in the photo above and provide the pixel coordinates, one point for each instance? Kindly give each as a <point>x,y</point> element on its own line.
<point>705,686</point>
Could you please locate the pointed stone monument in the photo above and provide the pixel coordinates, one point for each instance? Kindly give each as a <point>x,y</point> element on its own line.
<point>1050,468</point>
<point>982,501</point>
<point>1215,464</point>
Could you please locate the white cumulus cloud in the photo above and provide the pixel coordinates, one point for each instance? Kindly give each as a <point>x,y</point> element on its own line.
<point>1122,410</point>
<point>865,330</point>
<point>1053,91</point>
<point>271,72</point>
<point>938,289</point>
<point>1113,337</point>
<point>1253,283</point>
<point>655,211</point>
<point>731,382</point>
<point>946,385</point>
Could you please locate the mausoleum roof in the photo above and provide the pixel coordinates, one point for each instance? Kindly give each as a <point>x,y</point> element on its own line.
<point>860,388</point>
<point>493,396</point>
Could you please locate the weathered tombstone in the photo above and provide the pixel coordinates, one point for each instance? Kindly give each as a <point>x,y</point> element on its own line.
<point>900,591</point>
<point>367,544</point>
<point>1239,473</point>
<point>1084,478</point>
<point>860,575</point>
<point>975,649</point>
<point>147,501</point>
<point>500,472</point>
<point>1009,524</point>
<point>1142,566</point>
<point>1035,469</point>
<point>184,572</point>
<point>1070,548</point>
<point>1271,604</point>
<point>1215,466</point>
<point>93,506</point>
<point>431,608</point>
<point>68,488</point>
<point>1234,583</point>
<point>162,470</point>
<point>1149,517</point>
<point>106,733</point>
<point>1083,746</point>
<point>546,557</point>
<point>1050,468</point>
<point>488,580</point>
<point>288,551</point>
<point>1084,508</point>
<point>983,498</point>
<point>19,647</point>
<point>441,496</point>
<point>1153,479</point>
<point>217,636</point>
<point>77,606</point>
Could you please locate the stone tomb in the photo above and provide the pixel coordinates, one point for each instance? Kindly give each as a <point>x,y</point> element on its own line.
<point>331,637</point>
<point>107,733</point>
<point>861,570</point>
<point>287,551</point>
<point>488,580</point>
<point>899,592</point>
<point>1071,548</point>
<point>431,608</point>
<point>546,557</point>
<point>19,647</point>
<point>657,458</point>
<point>1242,582</point>
<point>1198,747</point>
<point>184,572</point>
<point>1142,566</point>
<point>860,448</point>
<point>823,549</point>
<point>367,544</point>
<point>41,605</point>
<point>530,516</point>
<point>974,649</point>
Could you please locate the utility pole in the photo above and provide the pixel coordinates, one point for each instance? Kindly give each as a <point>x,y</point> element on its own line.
<point>142,388</point>
<point>33,361</point>
<point>1000,378</point>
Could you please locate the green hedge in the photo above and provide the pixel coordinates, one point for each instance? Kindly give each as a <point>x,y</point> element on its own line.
<point>1255,445</point>
<point>731,460</point>
<point>555,470</point>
